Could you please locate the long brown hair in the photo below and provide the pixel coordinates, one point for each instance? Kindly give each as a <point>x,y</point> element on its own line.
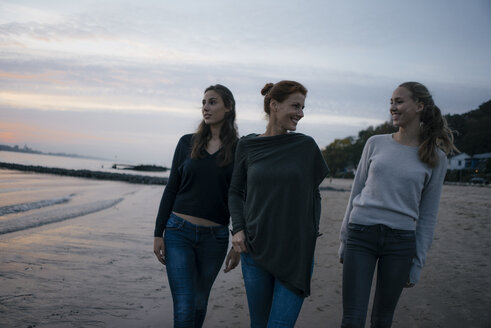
<point>280,91</point>
<point>228,131</point>
<point>434,131</point>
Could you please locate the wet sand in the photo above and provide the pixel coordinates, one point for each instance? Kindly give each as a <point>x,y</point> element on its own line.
<point>98,270</point>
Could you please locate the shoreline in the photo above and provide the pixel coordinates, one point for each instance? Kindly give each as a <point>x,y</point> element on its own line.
<point>131,178</point>
<point>151,180</point>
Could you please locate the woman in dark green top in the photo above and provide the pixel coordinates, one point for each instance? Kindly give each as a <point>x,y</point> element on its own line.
<point>274,202</point>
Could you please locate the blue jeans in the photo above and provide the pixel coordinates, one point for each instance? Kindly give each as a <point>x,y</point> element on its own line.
<point>194,255</point>
<point>392,251</point>
<point>270,303</point>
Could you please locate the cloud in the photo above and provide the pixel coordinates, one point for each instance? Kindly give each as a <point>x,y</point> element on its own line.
<point>7,136</point>
<point>19,132</point>
<point>15,12</point>
<point>85,104</point>
<point>133,73</point>
<point>146,137</point>
<point>49,32</point>
<point>352,121</point>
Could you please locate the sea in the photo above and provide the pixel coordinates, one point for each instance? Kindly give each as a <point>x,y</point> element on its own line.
<point>29,200</point>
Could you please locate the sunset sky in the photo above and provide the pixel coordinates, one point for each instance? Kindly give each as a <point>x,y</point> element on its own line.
<point>125,79</point>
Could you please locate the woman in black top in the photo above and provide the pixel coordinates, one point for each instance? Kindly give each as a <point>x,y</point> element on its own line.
<point>194,209</point>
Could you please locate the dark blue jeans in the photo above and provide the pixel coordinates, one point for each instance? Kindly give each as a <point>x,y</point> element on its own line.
<point>392,251</point>
<point>194,255</point>
<point>271,304</point>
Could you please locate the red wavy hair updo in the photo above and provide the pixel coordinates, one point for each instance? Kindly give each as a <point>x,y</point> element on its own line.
<point>280,91</point>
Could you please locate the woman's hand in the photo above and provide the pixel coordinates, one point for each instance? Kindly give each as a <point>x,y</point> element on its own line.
<point>408,284</point>
<point>159,249</point>
<point>232,260</point>
<point>238,242</point>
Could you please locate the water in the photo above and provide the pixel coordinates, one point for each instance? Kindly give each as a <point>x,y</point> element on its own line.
<point>29,200</point>
<point>24,207</point>
<point>70,163</point>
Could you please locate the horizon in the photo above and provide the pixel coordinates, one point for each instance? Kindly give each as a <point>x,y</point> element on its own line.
<point>118,79</point>
<point>29,150</point>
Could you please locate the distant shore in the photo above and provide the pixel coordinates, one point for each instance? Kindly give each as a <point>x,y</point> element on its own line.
<point>131,178</point>
<point>27,150</point>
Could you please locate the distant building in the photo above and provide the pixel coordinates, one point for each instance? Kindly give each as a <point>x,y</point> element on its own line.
<point>479,161</point>
<point>458,162</point>
<point>465,161</point>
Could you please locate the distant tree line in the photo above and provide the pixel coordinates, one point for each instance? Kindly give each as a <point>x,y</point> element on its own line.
<point>473,130</point>
<point>472,133</point>
<point>27,149</point>
<point>16,148</point>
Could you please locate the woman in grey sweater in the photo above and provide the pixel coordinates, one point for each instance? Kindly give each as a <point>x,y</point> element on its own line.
<point>391,215</point>
<point>274,202</point>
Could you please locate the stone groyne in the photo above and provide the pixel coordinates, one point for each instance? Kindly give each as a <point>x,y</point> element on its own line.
<point>131,178</point>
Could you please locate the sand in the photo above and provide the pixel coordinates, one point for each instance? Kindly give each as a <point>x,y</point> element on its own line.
<point>98,270</point>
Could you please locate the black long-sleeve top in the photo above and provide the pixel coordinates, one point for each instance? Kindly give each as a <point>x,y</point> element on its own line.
<point>197,187</point>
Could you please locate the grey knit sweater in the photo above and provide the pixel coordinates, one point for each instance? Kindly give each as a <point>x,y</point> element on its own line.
<point>393,187</point>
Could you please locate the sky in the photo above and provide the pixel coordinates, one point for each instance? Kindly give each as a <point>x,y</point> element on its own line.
<point>123,80</point>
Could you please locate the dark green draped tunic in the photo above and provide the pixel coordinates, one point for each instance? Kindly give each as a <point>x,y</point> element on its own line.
<point>274,197</point>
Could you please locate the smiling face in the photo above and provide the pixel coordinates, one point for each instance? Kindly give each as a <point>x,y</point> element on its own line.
<point>213,108</point>
<point>403,109</point>
<point>287,113</point>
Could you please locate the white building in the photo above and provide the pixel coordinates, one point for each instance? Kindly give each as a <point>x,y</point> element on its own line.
<point>458,162</point>
<point>464,161</point>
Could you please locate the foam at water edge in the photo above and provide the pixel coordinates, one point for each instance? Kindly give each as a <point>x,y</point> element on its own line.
<point>56,215</point>
<point>4,210</point>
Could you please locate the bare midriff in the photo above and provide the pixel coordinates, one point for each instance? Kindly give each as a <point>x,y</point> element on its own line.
<point>196,220</point>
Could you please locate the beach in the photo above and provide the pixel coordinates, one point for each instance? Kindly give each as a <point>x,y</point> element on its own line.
<point>95,267</point>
